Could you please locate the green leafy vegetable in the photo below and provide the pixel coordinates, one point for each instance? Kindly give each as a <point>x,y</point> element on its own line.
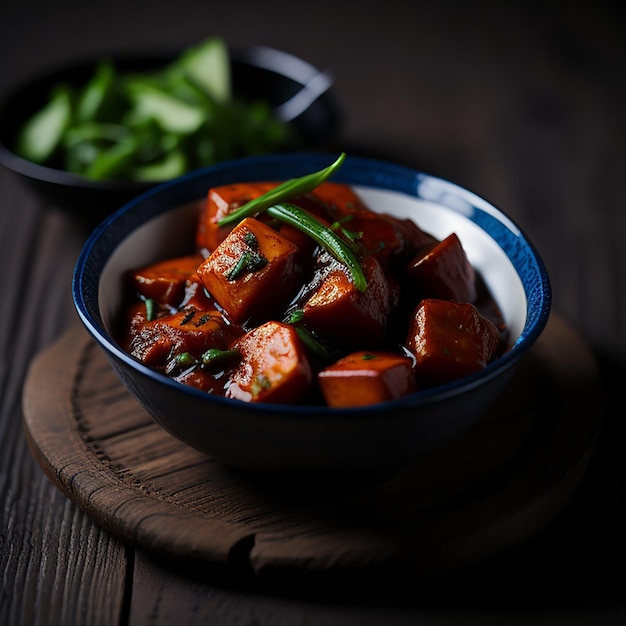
<point>152,126</point>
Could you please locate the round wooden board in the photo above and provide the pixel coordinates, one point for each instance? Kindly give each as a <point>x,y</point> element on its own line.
<point>490,489</point>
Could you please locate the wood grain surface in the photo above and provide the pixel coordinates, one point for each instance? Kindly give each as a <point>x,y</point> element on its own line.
<point>523,103</point>
<point>474,497</point>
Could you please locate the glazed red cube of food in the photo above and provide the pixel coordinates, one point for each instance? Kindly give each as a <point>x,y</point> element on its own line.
<point>253,272</point>
<point>273,366</point>
<point>200,378</point>
<point>223,200</point>
<point>158,341</point>
<point>339,198</point>
<point>450,340</point>
<point>338,312</point>
<point>363,378</point>
<point>412,237</point>
<point>220,202</point>
<point>442,270</point>
<point>352,219</point>
<point>383,236</point>
<point>165,281</point>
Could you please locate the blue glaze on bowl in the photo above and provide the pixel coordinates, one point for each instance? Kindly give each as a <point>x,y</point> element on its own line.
<point>314,438</point>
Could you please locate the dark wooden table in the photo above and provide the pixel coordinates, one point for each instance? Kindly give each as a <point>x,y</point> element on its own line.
<point>526,107</point>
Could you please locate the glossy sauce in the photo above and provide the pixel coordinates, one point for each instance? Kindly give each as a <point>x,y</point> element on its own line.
<point>285,319</point>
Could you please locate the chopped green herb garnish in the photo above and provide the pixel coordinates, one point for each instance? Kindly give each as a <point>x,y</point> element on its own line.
<point>317,348</point>
<point>249,261</point>
<point>150,309</point>
<point>296,316</point>
<point>185,359</point>
<point>251,241</point>
<point>312,343</point>
<point>214,355</point>
<point>260,383</point>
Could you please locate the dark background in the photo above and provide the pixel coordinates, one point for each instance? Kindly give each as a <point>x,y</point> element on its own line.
<point>523,103</point>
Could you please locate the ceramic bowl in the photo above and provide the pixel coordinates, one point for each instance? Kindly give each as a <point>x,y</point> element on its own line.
<point>295,89</point>
<point>269,437</point>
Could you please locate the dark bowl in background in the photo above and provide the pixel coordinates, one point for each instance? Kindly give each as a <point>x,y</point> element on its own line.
<point>293,87</point>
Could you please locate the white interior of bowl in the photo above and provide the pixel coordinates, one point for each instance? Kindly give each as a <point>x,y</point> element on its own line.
<point>482,250</point>
<point>172,234</point>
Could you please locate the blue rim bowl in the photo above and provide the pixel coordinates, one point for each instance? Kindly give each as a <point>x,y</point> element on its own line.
<point>312,438</point>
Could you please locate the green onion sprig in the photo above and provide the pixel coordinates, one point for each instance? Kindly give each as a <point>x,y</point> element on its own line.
<point>287,190</point>
<point>305,222</point>
<point>275,203</point>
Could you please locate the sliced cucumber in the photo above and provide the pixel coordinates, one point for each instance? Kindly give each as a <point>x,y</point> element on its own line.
<point>92,100</point>
<point>171,113</point>
<point>124,125</point>
<point>208,66</point>
<point>112,162</point>
<point>43,133</point>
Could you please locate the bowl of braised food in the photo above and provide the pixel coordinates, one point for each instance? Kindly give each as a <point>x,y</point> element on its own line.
<point>312,312</point>
<point>92,134</point>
